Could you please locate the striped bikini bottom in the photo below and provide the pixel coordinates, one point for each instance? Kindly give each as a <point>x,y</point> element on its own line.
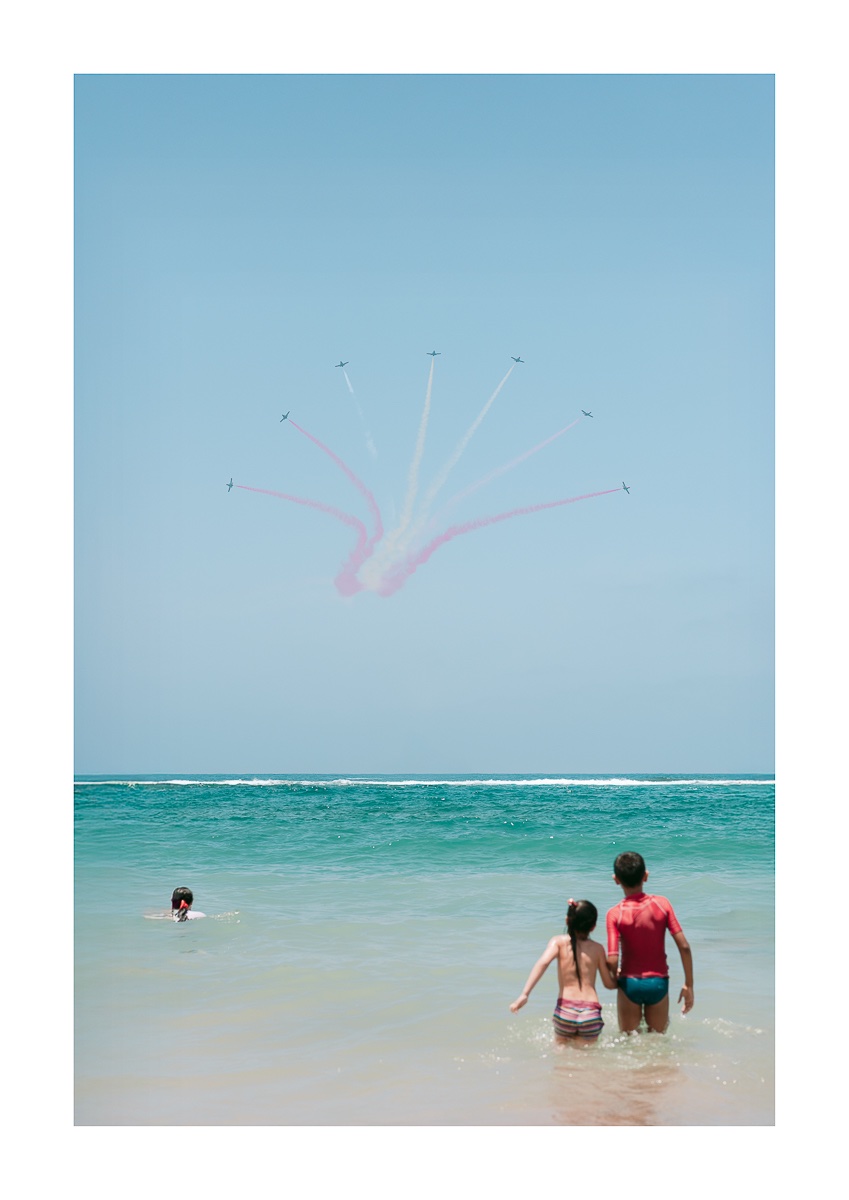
<point>577,1018</point>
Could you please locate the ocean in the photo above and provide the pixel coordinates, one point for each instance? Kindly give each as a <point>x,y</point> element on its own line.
<point>364,938</point>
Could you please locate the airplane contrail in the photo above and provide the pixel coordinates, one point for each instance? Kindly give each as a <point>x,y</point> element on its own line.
<point>397,578</point>
<point>357,482</point>
<point>509,466</point>
<point>346,581</point>
<point>347,380</point>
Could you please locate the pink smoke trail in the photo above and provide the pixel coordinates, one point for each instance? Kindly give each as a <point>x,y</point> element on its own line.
<point>400,575</point>
<point>358,484</point>
<point>346,581</point>
<point>510,465</point>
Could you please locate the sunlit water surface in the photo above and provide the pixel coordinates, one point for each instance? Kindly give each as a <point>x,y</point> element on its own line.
<point>364,938</point>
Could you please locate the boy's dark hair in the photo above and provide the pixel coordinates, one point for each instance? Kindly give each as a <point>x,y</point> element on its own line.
<point>629,868</point>
<point>179,894</point>
<point>581,917</point>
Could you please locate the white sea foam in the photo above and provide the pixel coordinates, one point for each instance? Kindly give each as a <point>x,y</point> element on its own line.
<point>365,781</point>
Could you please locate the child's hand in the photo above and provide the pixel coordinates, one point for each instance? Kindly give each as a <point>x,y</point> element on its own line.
<point>520,1003</point>
<point>687,997</point>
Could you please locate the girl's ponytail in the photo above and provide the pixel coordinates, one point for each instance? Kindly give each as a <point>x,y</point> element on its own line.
<point>571,913</point>
<point>581,917</point>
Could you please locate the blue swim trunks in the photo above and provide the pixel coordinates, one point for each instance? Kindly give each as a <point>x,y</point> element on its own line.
<point>648,989</point>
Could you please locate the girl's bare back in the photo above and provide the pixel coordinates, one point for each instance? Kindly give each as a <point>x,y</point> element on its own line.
<point>592,959</point>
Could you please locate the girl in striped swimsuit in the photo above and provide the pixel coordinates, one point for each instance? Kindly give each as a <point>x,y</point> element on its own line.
<point>577,1017</point>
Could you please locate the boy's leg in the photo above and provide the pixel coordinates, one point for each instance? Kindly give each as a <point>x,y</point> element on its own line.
<point>628,1012</point>
<point>657,1015</point>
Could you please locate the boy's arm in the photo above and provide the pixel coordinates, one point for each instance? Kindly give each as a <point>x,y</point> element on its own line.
<point>612,944</point>
<point>537,972</point>
<point>687,963</point>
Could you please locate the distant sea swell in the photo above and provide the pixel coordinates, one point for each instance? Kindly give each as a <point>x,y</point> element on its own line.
<point>454,824</point>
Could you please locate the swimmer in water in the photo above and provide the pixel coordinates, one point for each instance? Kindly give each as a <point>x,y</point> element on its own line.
<point>181,905</point>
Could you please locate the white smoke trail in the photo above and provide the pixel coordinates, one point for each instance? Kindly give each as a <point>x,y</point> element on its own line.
<point>439,482</point>
<point>514,462</point>
<point>413,474</point>
<point>370,446</point>
<point>388,551</point>
<point>441,478</point>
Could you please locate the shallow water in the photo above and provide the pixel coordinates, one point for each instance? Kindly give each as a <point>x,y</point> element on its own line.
<point>365,938</point>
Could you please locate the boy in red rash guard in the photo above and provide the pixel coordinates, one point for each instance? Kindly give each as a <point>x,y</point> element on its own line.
<point>637,926</point>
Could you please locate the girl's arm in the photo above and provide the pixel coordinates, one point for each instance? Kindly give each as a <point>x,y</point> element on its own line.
<point>539,968</point>
<point>607,977</point>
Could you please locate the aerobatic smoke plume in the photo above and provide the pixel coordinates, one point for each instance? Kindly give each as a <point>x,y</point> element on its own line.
<point>383,562</point>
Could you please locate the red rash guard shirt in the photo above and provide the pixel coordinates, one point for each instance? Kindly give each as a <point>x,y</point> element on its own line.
<point>639,923</point>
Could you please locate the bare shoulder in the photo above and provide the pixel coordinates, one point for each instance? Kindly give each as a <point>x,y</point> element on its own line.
<point>596,949</point>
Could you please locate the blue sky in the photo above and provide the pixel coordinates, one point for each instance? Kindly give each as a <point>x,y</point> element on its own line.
<point>237,235</point>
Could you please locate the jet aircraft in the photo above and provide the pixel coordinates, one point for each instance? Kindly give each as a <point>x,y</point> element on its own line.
<point>283,418</point>
<point>230,484</point>
<point>625,487</point>
<point>343,364</point>
<point>433,353</point>
<point>586,414</point>
<point>516,359</point>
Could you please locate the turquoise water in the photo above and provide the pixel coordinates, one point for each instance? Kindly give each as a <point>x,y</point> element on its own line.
<point>365,936</point>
